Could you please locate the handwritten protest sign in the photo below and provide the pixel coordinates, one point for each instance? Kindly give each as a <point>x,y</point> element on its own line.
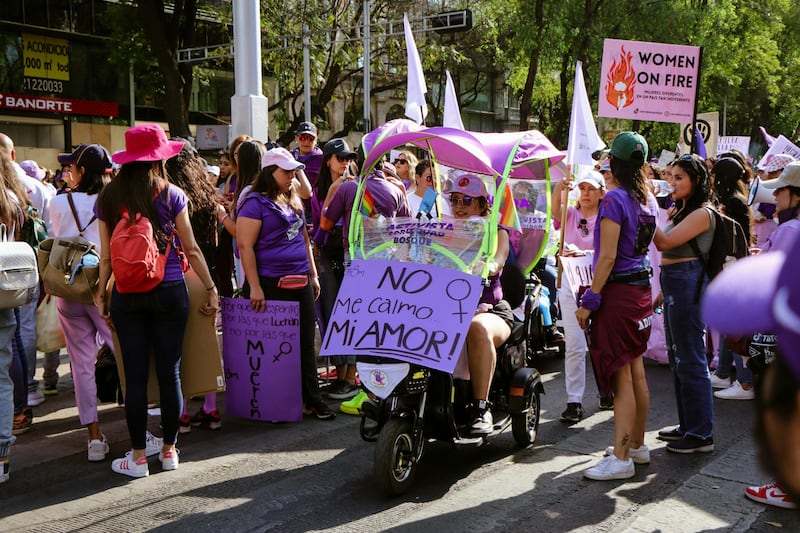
<point>578,270</point>
<point>406,311</point>
<point>262,360</point>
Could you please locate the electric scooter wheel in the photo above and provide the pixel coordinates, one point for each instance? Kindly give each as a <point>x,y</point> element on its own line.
<point>395,462</point>
<point>525,425</point>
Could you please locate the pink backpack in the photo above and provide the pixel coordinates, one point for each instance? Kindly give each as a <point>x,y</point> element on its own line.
<point>135,260</point>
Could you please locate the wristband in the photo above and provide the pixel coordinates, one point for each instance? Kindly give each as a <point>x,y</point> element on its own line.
<point>591,300</point>
<point>226,217</point>
<point>211,288</point>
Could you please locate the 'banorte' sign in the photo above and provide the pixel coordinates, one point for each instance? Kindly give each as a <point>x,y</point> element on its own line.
<point>45,57</point>
<point>649,81</point>
<point>61,106</point>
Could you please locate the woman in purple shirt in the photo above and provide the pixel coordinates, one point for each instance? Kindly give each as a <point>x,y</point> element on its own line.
<point>154,320</point>
<point>278,260</point>
<point>620,304</point>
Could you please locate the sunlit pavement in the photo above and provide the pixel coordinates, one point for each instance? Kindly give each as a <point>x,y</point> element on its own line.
<point>317,476</point>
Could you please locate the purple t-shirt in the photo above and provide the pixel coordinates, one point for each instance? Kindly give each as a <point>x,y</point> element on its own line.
<point>620,207</point>
<point>168,205</point>
<point>389,201</point>
<point>784,237</point>
<point>280,247</point>
<point>312,161</point>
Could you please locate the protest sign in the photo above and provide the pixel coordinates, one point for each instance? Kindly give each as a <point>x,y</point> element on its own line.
<point>731,142</point>
<point>410,312</point>
<point>707,125</point>
<point>782,145</point>
<point>578,270</point>
<point>262,360</point>
<point>648,81</point>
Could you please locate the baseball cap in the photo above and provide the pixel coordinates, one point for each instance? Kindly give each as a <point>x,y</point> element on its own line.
<point>773,308</point>
<point>629,146</point>
<point>32,169</point>
<point>306,128</point>
<point>593,178</point>
<point>790,177</point>
<point>280,157</point>
<point>93,157</point>
<point>467,184</point>
<point>213,169</point>
<point>338,147</point>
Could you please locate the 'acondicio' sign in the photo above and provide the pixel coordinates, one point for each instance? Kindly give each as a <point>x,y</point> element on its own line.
<point>406,311</point>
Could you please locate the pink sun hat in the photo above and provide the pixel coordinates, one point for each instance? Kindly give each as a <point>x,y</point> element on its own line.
<point>147,142</point>
<point>468,185</point>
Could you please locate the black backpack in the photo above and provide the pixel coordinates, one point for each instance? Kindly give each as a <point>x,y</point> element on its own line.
<point>728,244</point>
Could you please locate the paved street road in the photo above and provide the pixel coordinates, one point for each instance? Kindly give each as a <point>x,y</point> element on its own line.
<point>316,476</point>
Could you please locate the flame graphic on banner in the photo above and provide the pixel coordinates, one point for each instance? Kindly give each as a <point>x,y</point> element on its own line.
<point>620,81</point>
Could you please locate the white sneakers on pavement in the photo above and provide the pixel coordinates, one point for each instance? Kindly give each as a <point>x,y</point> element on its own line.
<point>152,445</point>
<point>735,392</point>
<point>640,455</point>
<point>610,468</point>
<point>719,383</point>
<point>169,459</point>
<point>97,449</point>
<point>35,398</point>
<point>127,466</point>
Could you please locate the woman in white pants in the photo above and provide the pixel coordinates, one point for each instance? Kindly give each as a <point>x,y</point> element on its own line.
<point>578,237</point>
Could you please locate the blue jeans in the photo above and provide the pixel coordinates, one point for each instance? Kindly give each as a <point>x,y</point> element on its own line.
<point>152,322</point>
<point>19,365</point>
<point>7,326</point>
<point>27,324</point>
<point>686,347</point>
<point>726,359</point>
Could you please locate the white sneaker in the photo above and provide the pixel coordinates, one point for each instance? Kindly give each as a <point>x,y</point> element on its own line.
<point>35,398</point>
<point>126,465</point>
<point>169,459</point>
<point>719,383</point>
<point>610,468</point>
<point>98,449</point>
<point>735,392</point>
<point>640,455</point>
<point>153,445</point>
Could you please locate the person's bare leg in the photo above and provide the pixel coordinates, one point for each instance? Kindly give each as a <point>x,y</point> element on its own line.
<point>486,332</point>
<point>642,394</point>
<point>624,411</point>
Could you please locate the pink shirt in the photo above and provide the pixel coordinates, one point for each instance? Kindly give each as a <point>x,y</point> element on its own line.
<point>574,230</point>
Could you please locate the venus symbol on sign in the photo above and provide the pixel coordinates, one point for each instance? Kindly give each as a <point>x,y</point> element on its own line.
<point>458,290</point>
<point>288,349</point>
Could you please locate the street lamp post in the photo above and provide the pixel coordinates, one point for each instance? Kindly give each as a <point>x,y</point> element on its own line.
<point>248,104</point>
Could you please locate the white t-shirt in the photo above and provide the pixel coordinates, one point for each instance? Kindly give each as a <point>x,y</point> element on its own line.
<point>414,201</point>
<point>39,195</point>
<point>64,223</point>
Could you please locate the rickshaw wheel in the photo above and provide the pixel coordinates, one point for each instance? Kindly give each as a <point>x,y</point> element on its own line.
<point>525,425</point>
<point>395,464</point>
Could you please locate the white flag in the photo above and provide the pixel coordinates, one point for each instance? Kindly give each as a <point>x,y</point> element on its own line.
<point>452,115</point>
<point>583,137</point>
<point>416,108</point>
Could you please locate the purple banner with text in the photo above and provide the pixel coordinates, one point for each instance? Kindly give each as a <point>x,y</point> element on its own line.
<point>406,311</point>
<point>261,352</point>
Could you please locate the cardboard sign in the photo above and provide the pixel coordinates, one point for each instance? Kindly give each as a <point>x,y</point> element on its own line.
<point>708,126</point>
<point>262,360</point>
<point>201,363</point>
<point>410,312</point>
<point>782,145</point>
<point>648,81</point>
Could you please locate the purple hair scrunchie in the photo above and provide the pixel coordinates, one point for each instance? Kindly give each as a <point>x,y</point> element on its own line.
<point>591,300</point>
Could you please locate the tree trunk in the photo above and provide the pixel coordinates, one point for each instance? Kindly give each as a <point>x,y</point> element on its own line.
<point>533,67</point>
<point>166,35</point>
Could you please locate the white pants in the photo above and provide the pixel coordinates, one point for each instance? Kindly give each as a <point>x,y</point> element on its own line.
<point>575,347</point>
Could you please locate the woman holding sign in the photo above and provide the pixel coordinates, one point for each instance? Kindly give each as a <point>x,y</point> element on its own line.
<point>578,237</point>
<point>278,260</point>
<point>492,322</point>
<point>620,304</point>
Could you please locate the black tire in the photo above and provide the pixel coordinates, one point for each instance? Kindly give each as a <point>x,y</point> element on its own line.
<point>395,463</point>
<point>525,425</point>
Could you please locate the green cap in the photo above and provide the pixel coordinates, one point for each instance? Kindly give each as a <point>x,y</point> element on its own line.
<point>629,146</point>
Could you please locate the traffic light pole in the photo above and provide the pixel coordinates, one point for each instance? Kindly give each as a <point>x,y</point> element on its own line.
<point>248,105</point>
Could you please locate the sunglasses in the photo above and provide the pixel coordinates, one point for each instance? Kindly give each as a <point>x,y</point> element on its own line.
<point>583,227</point>
<point>428,178</point>
<point>305,137</point>
<point>342,159</point>
<point>400,162</point>
<point>466,201</point>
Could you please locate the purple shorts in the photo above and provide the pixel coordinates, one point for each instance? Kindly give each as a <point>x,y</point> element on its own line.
<point>619,330</point>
